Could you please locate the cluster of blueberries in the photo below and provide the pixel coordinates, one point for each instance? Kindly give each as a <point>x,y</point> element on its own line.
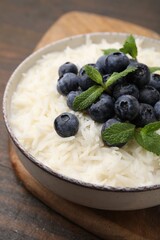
<point>134,98</point>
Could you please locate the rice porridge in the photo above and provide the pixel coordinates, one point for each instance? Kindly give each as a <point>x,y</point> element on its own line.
<point>35,105</point>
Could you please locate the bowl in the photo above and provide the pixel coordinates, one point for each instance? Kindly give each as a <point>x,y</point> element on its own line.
<point>87,194</point>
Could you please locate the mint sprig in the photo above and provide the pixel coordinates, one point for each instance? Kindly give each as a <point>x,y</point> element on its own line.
<point>148,138</point>
<point>86,98</point>
<point>115,76</point>
<point>118,133</point>
<point>94,74</point>
<point>154,69</point>
<point>130,47</point>
<point>145,137</point>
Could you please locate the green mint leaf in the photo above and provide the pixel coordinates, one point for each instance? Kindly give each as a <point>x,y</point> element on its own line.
<point>94,74</point>
<point>154,69</point>
<point>148,138</point>
<point>130,47</point>
<point>115,76</point>
<point>151,127</point>
<point>86,98</point>
<point>109,51</point>
<point>149,141</point>
<point>119,133</point>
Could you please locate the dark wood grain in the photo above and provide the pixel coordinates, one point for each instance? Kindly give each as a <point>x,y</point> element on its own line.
<point>22,24</point>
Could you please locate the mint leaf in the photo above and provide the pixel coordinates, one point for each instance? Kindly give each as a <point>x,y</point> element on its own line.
<point>94,74</point>
<point>150,142</point>
<point>86,98</point>
<point>151,127</point>
<point>115,76</point>
<point>109,51</point>
<point>154,69</point>
<point>119,133</point>
<point>148,138</point>
<point>130,47</point>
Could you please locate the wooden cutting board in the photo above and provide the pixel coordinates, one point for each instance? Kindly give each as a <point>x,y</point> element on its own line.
<point>112,225</point>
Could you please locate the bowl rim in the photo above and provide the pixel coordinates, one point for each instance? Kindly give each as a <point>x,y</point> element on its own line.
<point>38,163</point>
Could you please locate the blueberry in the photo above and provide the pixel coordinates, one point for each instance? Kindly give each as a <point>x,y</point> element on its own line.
<point>155,81</point>
<point>116,62</point>
<point>103,109</point>
<point>84,81</point>
<point>157,110</point>
<point>106,125</point>
<point>125,89</point>
<point>70,98</point>
<point>141,76</point>
<point>145,116</point>
<point>67,83</point>
<point>67,67</point>
<point>149,95</point>
<point>101,64</point>
<point>126,107</point>
<point>66,124</point>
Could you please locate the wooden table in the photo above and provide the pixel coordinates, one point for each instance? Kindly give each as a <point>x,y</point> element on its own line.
<point>22,23</point>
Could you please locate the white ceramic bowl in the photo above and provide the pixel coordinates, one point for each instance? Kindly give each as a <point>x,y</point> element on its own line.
<point>79,192</point>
